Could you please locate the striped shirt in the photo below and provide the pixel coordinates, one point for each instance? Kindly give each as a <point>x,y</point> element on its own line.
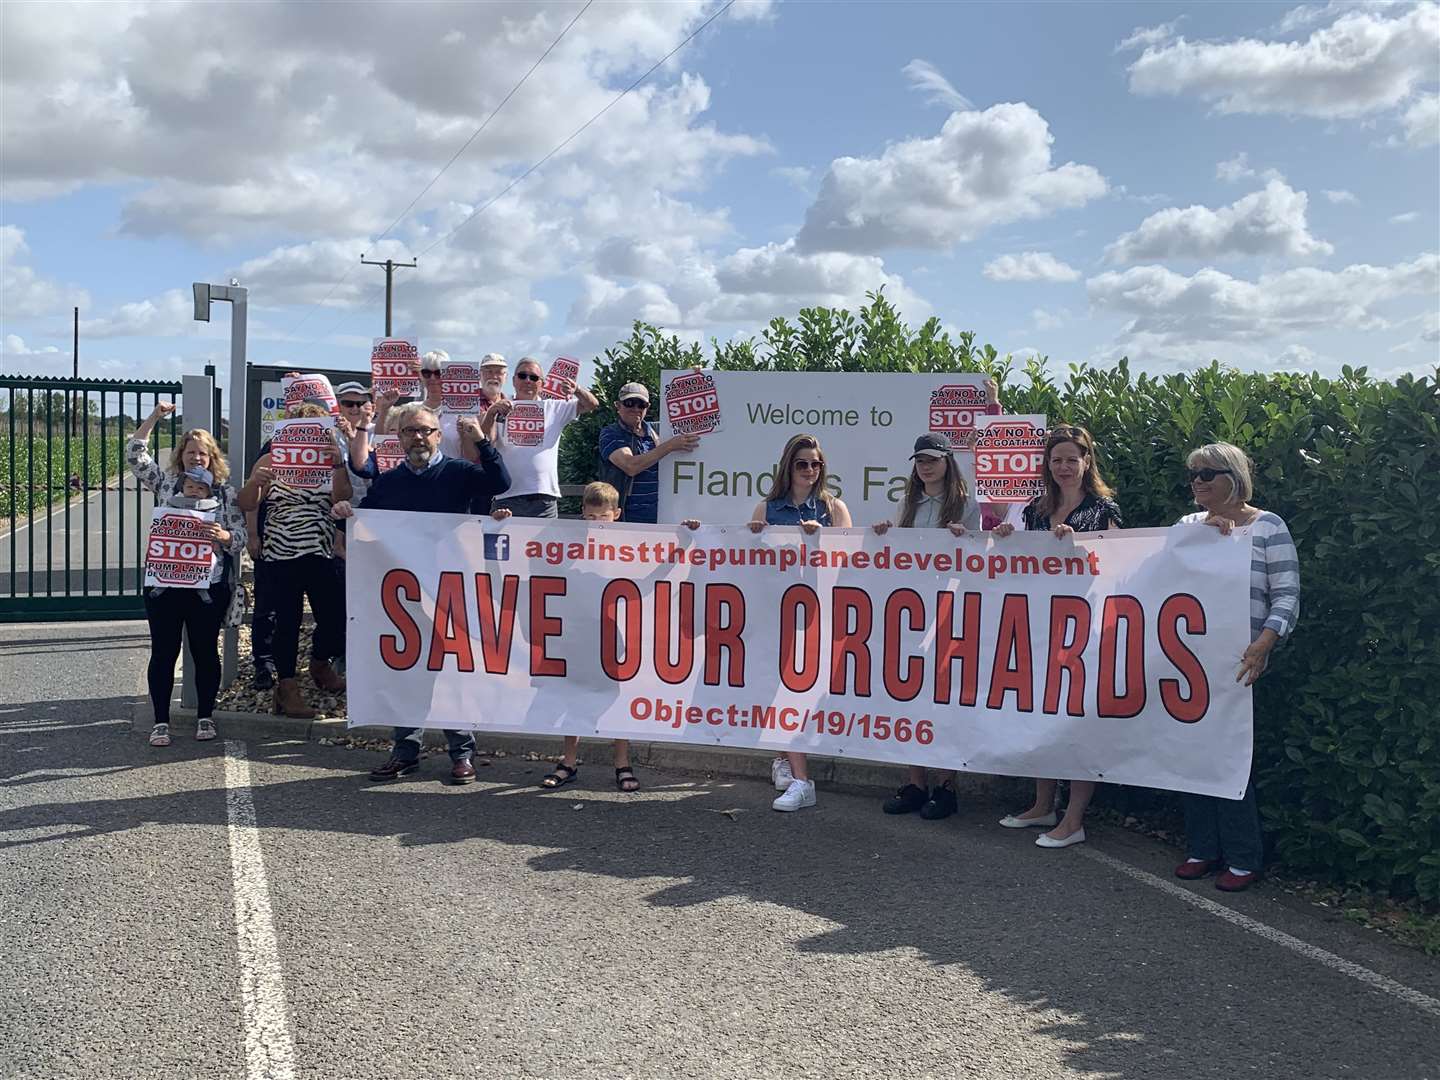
<point>1274,574</point>
<point>297,523</point>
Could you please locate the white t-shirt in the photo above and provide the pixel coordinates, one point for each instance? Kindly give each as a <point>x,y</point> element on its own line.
<point>449,437</point>
<point>535,470</point>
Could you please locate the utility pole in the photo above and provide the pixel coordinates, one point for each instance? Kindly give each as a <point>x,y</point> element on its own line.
<point>390,266</point>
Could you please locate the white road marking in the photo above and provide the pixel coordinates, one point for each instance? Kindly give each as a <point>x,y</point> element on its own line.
<point>1423,1002</point>
<point>269,1046</point>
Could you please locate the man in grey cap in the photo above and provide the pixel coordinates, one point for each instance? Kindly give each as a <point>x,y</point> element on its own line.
<point>630,453</point>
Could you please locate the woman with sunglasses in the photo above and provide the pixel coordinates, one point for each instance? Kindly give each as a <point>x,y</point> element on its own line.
<point>798,497</point>
<point>935,498</point>
<point>533,458</point>
<point>1076,499</point>
<point>1226,832</point>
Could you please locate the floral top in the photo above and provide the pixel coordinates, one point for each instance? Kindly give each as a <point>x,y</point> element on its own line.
<point>1094,513</point>
<point>165,484</point>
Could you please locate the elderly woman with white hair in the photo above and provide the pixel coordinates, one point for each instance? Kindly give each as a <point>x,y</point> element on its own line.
<point>1224,834</point>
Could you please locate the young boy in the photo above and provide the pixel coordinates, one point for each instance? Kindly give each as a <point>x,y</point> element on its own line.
<point>600,502</point>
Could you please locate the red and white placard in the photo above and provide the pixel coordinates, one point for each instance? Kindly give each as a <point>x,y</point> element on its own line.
<point>388,453</point>
<point>525,424</point>
<point>955,412</point>
<point>561,369</point>
<point>1010,458</point>
<point>300,388</point>
<point>180,553</point>
<point>692,404</point>
<point>460,387</point>
<point>302,454</point>
<point>394,365</point>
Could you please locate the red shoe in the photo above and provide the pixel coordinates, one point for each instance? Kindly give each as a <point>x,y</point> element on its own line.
<point>1231,882</point>
<point>1194,871</point>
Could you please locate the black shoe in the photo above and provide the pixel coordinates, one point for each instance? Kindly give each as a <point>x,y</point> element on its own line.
<point>264,677</point>
<point>941,805</point>
<point>905,801</point>
<point>394,769</point>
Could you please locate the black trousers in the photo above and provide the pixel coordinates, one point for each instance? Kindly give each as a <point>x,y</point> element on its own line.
<point>262,619</point>
<point>289,582</point>
<point>170,612</point>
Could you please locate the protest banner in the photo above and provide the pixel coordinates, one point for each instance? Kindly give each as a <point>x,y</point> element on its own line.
<point>460,387</point>
<point>303,452</point>
<point>1107,658</point>
<point>1010,458</point>
<point>692,404</point>
<point>561,369</point>
<point>297,389</point>
<point>525,424</point>
<point>867,425</point>
<point>395,365</point>
<point>388,453</point>
<point>180,553</point>
<point>955,412</point>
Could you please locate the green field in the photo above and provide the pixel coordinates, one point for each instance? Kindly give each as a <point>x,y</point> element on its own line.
<point>45,461</point>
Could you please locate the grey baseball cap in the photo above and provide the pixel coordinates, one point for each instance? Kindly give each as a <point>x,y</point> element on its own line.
<point>931,446</point>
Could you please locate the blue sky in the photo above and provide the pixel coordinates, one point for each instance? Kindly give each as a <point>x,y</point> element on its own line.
<point>1257,183</point>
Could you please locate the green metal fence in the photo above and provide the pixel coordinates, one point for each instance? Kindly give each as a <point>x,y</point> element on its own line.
<point>72,534</point>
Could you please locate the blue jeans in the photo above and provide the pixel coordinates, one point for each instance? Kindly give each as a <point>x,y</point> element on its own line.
<point>1224,827</point>
<point>408,739</point>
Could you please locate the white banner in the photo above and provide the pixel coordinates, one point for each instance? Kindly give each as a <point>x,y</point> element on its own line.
<point>1105,656</point>
<point>867,425</point>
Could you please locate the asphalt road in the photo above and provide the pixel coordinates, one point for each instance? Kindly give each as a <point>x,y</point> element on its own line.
<point>99,535</point>
<point>421,930</point>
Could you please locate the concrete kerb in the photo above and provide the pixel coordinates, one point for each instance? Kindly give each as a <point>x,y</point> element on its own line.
<point>869,777</point>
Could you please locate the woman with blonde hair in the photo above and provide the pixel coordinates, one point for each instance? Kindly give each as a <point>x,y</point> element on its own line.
<point>1076,500</point>
<point>198,612</point>
<point>798,497</point>
<point>1226,832</point>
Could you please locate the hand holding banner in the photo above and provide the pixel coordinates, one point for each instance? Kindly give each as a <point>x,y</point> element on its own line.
<point>180,553</point>
<point>302,454</point>
<point>1010,458</point>
<point>395,365</point>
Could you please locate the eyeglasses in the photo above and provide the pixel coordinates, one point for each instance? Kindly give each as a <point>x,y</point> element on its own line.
<point>635,403</point>
<point>417,432</point>
<point>426,373</point>
<point>807,465</point>
<point>1206,475</point>
<point>527,376</point>
<point>353,404</point>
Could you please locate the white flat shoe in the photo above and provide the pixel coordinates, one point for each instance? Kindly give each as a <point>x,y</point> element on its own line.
<point>1049,821</point>
<point>1046,840</point>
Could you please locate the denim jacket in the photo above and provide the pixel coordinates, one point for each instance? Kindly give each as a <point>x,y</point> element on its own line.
<point>784,512</point>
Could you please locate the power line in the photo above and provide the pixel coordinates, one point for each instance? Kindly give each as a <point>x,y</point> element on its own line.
<point>567,141</point>
<point>574,134</point>
<point>454,158</point>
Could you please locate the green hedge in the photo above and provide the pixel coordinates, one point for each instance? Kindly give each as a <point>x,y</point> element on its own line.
<point>1347,725</point>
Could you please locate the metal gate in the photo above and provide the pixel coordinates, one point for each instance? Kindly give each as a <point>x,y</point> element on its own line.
<point>72,535</point>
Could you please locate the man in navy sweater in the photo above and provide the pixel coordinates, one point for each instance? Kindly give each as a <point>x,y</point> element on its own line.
<point>430,482</point>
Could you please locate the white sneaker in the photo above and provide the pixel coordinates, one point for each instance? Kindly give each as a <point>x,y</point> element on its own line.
<point>800,793</point>
<point>780,774</point>
<point>204,730</point>
<point>160,735</point>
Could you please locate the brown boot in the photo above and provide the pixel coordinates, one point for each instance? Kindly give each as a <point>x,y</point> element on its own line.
<point>290,702</point>
<point>326,677</point>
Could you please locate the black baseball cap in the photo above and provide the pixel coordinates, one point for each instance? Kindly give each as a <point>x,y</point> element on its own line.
<point>931,446</point>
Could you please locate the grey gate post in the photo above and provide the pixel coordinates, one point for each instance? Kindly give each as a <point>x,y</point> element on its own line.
<point>238,298</point>
<point>198,407</point>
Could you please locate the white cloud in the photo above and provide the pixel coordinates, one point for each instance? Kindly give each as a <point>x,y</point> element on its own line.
<point>14,345</point>
<point>1405,218</point>
<point>1267,222</point>
<point>1169,310</point>
<point>1030,266</point>
<point>170,314</point>
<point>1145,36</point>
<point>23,293</point>
<point>925,77</point>
<point>984,169</point>
<point>1235,168</point>
<point>1049,320</point>
<point>1422,121</point>
<point>1341,196</point>
<point>1364,62</point>
<point>799,176</point>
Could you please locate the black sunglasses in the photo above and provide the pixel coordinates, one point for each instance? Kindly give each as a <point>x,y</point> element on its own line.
<point>427,373</point>
<point>528,376</point>
<point>635,403</point>
<point>353,404</point>
<point>1207,474</point>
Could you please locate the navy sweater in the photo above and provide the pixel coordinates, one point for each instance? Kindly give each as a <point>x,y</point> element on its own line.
<point>447,488</point>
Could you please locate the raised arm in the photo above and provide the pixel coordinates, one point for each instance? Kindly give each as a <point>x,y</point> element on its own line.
<point>588,402</point>
<point>633,464</point>
<point>137,451</point>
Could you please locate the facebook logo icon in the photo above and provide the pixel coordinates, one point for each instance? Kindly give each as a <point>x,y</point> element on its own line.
<point>497,547</point>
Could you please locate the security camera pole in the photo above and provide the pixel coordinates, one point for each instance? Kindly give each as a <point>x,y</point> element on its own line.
<point>390,266</point>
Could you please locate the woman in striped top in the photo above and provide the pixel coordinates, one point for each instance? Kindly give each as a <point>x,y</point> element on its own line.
<point>296,550</point>
<point>1226,832</point>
